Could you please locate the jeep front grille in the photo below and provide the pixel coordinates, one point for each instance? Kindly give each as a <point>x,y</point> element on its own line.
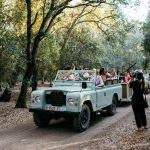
<point>56,98</point>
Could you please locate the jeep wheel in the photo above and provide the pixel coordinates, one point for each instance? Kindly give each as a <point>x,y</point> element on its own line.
<point>41,119</point>
<point>82,122</point>
<point>111,110</point>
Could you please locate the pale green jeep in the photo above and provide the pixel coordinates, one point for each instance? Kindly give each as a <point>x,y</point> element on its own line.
<point>74,96</point>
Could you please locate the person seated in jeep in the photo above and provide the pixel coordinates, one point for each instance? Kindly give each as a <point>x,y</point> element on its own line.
<point>68,76</point>
<point>98,81</point>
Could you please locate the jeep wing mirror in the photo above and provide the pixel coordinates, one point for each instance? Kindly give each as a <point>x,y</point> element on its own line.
<point>84,85</point>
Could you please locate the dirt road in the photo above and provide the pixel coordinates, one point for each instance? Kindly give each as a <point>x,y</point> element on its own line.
<point>60,134</point>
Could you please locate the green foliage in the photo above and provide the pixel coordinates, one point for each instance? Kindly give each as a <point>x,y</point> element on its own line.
<point>146,25</point>
<point>10,55</point>
<point>146,41</point>
<point>11,60</point>
<point>146,29</point>
<point>122,55</point>
<point>82,49</point>
<point>85,47</point>
<point>19,17</point>
<point>48,57</point>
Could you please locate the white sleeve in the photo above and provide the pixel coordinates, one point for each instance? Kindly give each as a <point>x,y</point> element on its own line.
<point>101,83</point>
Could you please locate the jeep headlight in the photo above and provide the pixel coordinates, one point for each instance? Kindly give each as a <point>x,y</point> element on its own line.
<point>35,99</point>
<point>73,101</point>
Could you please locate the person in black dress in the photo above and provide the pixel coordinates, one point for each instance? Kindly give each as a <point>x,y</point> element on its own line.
<point>138,87</point>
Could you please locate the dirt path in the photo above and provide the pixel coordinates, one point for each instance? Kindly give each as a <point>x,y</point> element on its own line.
<point>116,132</point>
<point>58,134</point>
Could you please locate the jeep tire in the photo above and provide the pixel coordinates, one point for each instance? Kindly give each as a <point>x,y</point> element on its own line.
<point>111,110</point>
<point>41,119</point>
<point>82,122</point>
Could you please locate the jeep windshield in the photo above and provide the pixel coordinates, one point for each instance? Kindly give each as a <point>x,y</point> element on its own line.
<point>75,75</point>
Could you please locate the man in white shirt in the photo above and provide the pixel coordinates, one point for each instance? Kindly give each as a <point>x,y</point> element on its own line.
<point>98,81</point>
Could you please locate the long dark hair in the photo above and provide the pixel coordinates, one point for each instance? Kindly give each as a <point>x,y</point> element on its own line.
<point>102,71</point>
<point>141,77</point>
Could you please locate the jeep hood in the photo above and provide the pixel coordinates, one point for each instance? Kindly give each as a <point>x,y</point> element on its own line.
<point>60,88</point>
<point>67,88</point>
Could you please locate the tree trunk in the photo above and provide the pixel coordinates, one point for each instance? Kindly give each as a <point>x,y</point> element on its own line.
<point>21,102</point>
<point>6,95</point>
<point>51,84</point>
<point>62,53</point>
<point>34,79</point>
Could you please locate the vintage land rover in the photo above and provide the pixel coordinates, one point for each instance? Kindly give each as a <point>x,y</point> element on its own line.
<point>74,96</point>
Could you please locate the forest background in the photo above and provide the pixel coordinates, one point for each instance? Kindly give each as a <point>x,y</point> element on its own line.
<point>38,37</point>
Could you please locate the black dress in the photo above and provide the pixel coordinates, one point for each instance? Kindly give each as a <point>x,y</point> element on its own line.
<point>138,103</point>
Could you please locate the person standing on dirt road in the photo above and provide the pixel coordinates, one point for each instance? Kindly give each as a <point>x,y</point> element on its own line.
<point>138,87</point>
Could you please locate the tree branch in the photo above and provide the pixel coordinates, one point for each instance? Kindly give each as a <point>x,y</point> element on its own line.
<point>34,20</point>
<point>29,30</point>
<point>44,8</point>
<point>52,4</point>
<point>94,21</point>
<point>86,4</point>
<point>93,9</point>
<point>65,3</point>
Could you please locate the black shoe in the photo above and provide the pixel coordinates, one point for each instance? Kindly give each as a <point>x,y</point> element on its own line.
<point>145,128</point>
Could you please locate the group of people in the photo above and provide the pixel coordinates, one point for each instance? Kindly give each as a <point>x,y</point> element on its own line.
<point>102,76</point>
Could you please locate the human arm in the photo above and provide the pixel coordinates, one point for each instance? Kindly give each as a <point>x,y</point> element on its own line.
<point>99,81</point>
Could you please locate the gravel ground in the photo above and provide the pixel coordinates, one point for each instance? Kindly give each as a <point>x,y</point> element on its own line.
<point>121,135</point>
<point>11,116</point>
